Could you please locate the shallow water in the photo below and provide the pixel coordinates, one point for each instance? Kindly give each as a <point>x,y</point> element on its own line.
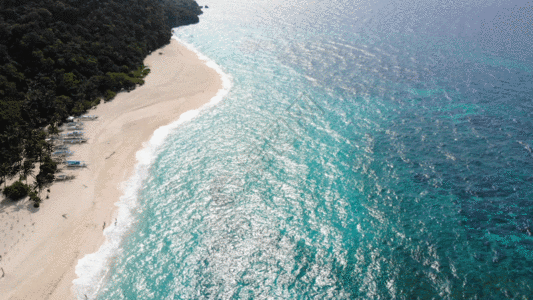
<point>369,150</point>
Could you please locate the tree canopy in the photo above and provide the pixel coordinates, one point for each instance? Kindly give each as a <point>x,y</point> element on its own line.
<point>60,57</point>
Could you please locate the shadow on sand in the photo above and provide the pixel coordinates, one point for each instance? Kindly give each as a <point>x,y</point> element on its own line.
<point>8,205</point>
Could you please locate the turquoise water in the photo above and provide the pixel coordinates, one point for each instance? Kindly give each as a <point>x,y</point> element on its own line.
<point>365,150</point>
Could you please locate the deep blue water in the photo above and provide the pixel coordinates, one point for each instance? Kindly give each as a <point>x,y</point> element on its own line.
<point>366,150</point>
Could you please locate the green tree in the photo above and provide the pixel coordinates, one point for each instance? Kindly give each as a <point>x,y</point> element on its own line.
<point>4,170</point>
<point>27,169</point>
<point>59,57</point>
<point>16,191</point>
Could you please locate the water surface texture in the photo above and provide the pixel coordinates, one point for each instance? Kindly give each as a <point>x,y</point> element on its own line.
<point>366,150</point>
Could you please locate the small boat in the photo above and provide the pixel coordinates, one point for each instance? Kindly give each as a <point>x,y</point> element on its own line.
<point>61,147</point>
<point>72,134</point>
<point>62,153</point>
<point>77,133</point>
<point>88,117</point>
<point>76,126</point>
<point>75,164</point>
<point>74,140</point>
<point>63,177</point>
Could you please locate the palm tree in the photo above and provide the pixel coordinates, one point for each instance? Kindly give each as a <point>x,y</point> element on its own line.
<point>39,184</point>
<point>13,170</point>
<point>4,170</point>
<point>53,129</point>
<point>27,169</point>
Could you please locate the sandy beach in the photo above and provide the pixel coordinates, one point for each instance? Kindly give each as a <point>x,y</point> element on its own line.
<point>40,247</point>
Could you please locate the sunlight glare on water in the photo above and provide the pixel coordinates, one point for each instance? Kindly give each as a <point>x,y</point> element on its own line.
<point>366,150</point>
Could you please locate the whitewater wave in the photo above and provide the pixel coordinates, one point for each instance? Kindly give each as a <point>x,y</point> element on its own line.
<point>93,268</point>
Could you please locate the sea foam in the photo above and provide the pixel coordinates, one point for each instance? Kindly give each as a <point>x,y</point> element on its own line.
<point>93,268</point>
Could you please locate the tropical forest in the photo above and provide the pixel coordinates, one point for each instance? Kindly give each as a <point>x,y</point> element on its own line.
<point>62,57</point>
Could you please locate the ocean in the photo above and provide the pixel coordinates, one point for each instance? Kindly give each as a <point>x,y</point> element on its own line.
<point>359,150</point>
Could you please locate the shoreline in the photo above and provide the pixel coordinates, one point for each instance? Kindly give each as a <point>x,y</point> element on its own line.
<point>51,240</point>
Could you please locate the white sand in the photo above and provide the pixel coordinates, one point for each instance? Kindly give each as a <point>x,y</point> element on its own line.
<point>41,247</point>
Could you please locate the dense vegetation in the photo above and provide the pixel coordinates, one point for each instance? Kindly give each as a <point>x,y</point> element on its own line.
<point>60,57</point>
<point>17,190</point>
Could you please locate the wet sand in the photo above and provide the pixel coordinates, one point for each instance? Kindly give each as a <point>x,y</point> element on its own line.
<point>40,248</point>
